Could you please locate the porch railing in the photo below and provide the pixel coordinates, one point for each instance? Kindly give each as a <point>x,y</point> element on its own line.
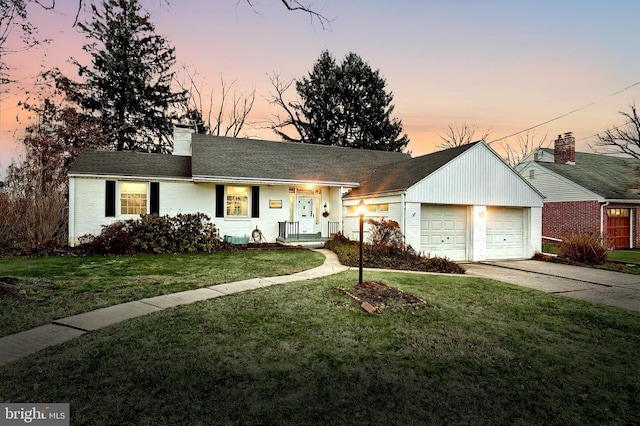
<point>334,228</point>
<point>287,228</point>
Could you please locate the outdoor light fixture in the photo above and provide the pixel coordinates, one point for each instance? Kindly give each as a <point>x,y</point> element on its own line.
<point>361,211</point>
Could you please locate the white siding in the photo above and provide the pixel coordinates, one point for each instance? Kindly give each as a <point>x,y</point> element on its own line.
<point>554,187</point>
<point>477,177</point>
<point>88,214</point>
<point>268,220</point>
<point>87,217</point>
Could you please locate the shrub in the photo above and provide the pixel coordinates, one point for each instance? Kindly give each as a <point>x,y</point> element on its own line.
<point>113,239</point>
<point>184,233</point>
<point>401,259</point>
<point>581,247</point>
<point>386,237</point>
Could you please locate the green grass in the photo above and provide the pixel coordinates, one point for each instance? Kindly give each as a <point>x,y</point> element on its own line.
<point>65,286</point>
<point>478,352</point>
<point>630,256</point>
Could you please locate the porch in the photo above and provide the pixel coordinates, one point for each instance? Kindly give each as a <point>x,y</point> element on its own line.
<point>289,233</point>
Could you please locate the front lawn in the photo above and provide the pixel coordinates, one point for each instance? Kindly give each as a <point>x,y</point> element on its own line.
<point>57,287</point>
<point>477,352</point>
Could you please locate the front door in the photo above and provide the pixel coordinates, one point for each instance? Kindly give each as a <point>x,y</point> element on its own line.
<point>305,213</point>
<point>619,227</point>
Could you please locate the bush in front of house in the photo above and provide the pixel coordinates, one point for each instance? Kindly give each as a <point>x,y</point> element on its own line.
<point>30,224</point>
<point>388,250</point>
<point>584,247</point>
<point>184,233</point>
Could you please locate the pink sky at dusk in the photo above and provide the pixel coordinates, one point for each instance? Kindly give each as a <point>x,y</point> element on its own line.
<point>497,64</point>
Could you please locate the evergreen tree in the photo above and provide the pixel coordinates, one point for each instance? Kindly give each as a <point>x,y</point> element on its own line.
<point>343,105</point>
<point>129,80</point>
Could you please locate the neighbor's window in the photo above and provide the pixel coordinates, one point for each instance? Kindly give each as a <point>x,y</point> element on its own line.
<point>133,198</point>
<point>238,201</point>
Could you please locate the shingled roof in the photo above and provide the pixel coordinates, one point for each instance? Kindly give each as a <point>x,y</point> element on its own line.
<point>128,163</point>
<point>404,174</point>
<point>264,161</point>
<point>217,158</point>
<point>613,178</point>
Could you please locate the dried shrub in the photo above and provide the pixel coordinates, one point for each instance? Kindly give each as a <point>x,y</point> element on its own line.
<point>386,237</point>
<point>27,222</point>
<point>583,247</point>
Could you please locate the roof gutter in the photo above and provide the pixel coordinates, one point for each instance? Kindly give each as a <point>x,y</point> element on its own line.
<point>602,207</point>
<point>263,181</point>
<point>621,201</point>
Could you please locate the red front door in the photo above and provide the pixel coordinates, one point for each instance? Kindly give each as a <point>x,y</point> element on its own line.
<point>619,230</point>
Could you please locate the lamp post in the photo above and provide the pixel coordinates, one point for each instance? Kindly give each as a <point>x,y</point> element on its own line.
<point>361,211</point>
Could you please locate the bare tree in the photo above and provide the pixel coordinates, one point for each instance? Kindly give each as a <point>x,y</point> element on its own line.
<point>295,5</point>
<point>13,17</point>
<point>231,115</point>
<point>525,143</point>
<point>291,112</point>
<point>622,139</point>
<point>461,135</point>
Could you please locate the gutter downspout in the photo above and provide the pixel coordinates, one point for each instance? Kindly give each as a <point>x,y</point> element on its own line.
<point>404,216</point>
<point>602,207</point>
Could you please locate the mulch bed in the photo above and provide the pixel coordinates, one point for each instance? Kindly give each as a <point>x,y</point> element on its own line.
<point>378,295</point>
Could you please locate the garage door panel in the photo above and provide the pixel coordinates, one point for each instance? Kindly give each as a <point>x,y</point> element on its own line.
<point>443,231</point>
<point>505,233</point>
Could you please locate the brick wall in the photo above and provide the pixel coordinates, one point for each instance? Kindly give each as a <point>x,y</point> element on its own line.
<point>558,219</point>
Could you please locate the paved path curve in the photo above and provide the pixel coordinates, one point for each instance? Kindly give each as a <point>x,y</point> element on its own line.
<point>19,345</point>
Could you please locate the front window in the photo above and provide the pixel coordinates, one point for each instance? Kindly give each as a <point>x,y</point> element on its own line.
<point>133,198</point>
<point>238,201</point>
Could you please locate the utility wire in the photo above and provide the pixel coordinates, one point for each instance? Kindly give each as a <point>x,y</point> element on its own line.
<point>564,115</point>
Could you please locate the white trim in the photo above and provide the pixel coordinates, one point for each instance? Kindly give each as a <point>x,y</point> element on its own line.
<point>262,181</point>
<point>130,177</point>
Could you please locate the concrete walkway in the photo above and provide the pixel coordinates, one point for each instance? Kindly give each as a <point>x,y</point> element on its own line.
<point>579,282</point>
<point>19,345</point>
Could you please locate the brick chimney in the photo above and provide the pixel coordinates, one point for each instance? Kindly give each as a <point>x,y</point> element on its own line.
<point>564,149</point>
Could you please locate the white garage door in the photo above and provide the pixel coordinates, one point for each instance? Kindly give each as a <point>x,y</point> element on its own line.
<point>505,233</point>
<point>443,231</point>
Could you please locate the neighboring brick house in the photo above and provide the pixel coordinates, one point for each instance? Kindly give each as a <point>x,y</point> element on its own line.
<point>586,192</point>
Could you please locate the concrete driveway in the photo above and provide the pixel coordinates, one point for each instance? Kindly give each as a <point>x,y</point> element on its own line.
<point>594,285</point>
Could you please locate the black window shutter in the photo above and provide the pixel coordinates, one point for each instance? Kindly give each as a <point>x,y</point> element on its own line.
<point>110,199</point>
<point>219,200</point>
<point>255,201</point>
<point>155,198</point>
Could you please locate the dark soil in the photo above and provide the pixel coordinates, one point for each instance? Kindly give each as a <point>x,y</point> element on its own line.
<point>9,288</point>
<point>379,295</point>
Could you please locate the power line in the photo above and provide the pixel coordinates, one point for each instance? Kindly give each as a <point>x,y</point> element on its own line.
<point>564,115</point>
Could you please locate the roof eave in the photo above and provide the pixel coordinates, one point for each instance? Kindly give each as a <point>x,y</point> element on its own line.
<point>263,181</point>
<point>126,176</point>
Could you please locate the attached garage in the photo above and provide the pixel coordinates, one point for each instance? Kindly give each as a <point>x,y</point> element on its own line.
<point>463,203</point>
<point>443,231</point>
<point>505,233</point>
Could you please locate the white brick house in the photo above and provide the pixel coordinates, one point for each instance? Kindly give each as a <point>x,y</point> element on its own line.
<point>464,203</point>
